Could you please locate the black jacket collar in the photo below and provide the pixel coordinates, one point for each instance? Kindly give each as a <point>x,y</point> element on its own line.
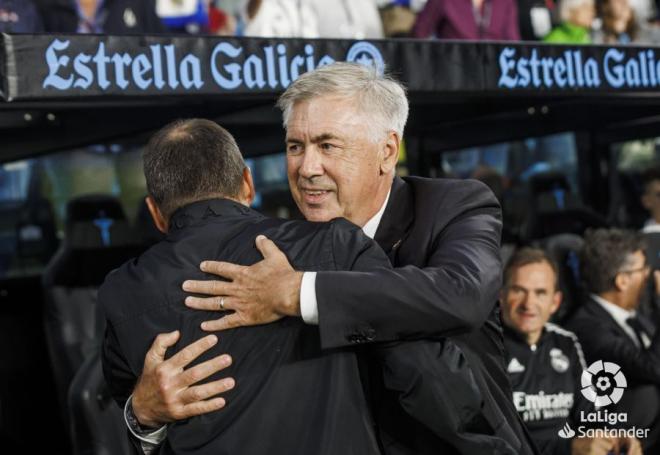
<point>398,217</point>
<point>201,210</point>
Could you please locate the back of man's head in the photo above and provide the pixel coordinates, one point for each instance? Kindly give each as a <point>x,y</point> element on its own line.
<point>606,252</point>
<point>192,160</point>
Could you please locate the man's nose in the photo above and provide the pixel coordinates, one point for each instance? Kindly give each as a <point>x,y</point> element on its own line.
<point>312,163</point>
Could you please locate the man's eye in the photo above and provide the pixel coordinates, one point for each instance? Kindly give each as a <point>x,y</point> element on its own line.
<point>327,146</point>
<point>294,148</point>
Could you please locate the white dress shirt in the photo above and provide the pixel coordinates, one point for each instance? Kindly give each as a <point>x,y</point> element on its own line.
<point>620,316</point>
<point>309,308</point>
<point>651,226</point>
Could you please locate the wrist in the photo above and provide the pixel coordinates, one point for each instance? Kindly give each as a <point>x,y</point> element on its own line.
<point>290,305</point>
<point>142,417</point>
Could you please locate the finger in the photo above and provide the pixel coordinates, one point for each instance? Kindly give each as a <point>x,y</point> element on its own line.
<point>192,351</point>
<point>223,269</point>
<point>204,370</point>
<point>267,247</point>
<point>210,303</point>
<point>203,407</point>
<point>204,391</point>
<point>228,322</point>
<point>208,287</point>
<point>156,353</point>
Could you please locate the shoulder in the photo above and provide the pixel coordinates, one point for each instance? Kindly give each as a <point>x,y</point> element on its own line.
<point>451,191</point>
<point>566,340</point>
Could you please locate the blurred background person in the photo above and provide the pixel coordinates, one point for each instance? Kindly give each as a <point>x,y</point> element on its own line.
<point>577,17</point>
<point>278,18</point>
<point>100,16</point>
<point>618,23</point>
<point>19,16</point>
<point>544,360</point>
<point>351,19</point>
<point>614,270</point>
<point>468,20</point>
<point>536,18</point>
<point>651,199</point>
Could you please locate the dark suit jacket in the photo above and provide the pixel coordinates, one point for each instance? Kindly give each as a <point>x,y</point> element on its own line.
<point>443,236</point>
<point>603,339</point>
<point>290,396</point>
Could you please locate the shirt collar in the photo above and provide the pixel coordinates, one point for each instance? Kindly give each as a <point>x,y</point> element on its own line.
<point>371,226</point>
<point>651,226</point>
<point>617,313</point>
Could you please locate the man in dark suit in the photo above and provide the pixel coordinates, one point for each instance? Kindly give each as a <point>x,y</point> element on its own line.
<point>614,269</point>
<point>305,400</point>
<point>344,126</point>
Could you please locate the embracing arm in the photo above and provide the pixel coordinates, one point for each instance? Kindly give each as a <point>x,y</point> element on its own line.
<point>454,292</point>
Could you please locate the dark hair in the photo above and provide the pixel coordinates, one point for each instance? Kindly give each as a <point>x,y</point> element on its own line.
<point>649,176</point>
<point>604,254</point>
<point>191,160</point>
<point>526,256</point>
<point>606,12</point>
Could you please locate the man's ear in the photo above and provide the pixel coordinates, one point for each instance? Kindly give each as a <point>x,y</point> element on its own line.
<point>646,200</point>
<point>247,190</point>
<point>159,220</point>
<point>556,302</point>
<point>621,281</point>
<point>389,153</point>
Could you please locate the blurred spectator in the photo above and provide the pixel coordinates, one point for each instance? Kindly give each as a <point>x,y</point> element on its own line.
<point>545,362</point>
<point>19,16</point>
<point>221,22</point>
<point>398,20</point>
<point>618,24</point>
<point>536,18</point>
<point>645,10</point>
<point>190,16</point>
<point>468,19</point>
<point>279,18</point>
<point>100,16</point>
<point>651,199</point>
<point>614,269</point>
<point>351,19</point>
<point>576,18</point>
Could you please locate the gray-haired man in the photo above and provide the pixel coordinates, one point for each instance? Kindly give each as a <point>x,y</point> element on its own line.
<point>344,128</point>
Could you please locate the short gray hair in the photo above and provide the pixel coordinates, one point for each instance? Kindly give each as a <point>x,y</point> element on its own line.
<point>379,96</point>
<point>566,6</point>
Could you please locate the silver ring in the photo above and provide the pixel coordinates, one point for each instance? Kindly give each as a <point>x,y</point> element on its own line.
<point>222,303</point>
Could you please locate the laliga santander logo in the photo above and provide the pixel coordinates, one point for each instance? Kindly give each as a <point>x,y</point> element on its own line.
<point>603,383</point>
<point>566,432</point>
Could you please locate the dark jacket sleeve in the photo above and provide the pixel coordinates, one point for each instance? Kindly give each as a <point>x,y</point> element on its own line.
<point>453,293</point>
<point>118,375</point>
<point>431,380</point>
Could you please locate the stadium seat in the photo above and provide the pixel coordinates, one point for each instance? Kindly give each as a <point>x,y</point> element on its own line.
<point>564,249</point>
<point>554,209</point>
<point>97,423</point>
<point>97,239</point>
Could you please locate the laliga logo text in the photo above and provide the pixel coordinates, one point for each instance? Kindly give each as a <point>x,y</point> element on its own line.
<point>603,383</point>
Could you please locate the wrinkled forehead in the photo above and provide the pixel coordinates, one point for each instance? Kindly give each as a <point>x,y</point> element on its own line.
<point>333,115</point>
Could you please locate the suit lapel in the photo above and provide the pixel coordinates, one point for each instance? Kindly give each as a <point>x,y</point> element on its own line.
<point>600,314</point>
<point>397,218</point>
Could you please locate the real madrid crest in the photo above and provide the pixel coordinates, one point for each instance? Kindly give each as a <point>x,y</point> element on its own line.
<point>129,18</point>
<point>558,360</point>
